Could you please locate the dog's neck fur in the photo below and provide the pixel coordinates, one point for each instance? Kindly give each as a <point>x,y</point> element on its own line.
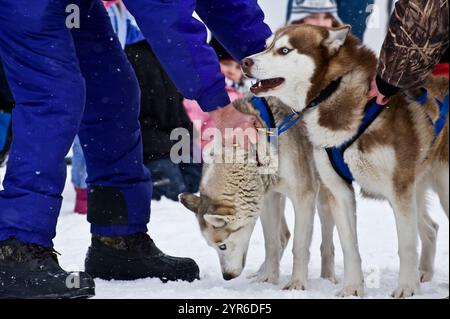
<point>336,120</point>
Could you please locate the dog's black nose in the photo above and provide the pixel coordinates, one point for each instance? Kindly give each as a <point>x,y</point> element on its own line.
<point>248,63</point>
<point>228,276</point>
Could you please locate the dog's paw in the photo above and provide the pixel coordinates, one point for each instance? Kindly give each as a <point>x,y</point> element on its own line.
<point>296,285</point>
<point>329,275</point>
<point>405,291</point>
<point>426,276</point>
<point>352,291</point>
<point>331,278</point>
<point>261,269</point>
<point>265,276</point>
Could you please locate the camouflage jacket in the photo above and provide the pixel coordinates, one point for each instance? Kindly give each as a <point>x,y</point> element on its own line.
<point>417,39</point>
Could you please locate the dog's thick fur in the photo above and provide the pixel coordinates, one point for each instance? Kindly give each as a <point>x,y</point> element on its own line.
<point>395,159</point>
<point>233,196</point>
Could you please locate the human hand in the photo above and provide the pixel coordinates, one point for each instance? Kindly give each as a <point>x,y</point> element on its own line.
<point>374,92</point>
<point>235,126</point>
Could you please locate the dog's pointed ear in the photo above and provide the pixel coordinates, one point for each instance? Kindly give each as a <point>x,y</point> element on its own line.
<point>336,38</point>
<point>190,201</point>
<point>218,220</point>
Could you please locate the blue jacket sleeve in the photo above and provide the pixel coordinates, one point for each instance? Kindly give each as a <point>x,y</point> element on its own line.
<point>180,42</point>
<point>237,24</point>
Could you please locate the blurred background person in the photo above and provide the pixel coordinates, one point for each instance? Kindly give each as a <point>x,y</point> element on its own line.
<point>321,13</point>
<point>353,12</point>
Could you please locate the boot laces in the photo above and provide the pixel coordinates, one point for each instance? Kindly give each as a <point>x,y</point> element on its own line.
<point>42,253</point>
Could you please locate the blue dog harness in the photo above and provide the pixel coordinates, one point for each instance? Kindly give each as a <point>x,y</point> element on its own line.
<point>266,114</point>
<point>336,153</point>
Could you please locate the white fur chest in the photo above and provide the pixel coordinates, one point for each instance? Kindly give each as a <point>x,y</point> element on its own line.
<point>374,170</point>
<point>321,136</point>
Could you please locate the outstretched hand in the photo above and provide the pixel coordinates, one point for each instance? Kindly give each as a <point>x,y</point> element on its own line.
<point>235,126</point>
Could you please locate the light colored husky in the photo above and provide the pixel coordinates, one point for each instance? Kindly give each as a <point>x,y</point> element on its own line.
<point>234,195</point>
<point>396,158</point>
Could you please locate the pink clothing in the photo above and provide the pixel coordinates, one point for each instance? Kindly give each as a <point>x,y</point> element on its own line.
<point>202,120</point>
<point>110,3</point>
<point>81,201</point>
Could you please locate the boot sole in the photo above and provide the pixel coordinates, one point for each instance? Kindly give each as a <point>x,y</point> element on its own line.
<point>163,279</point>
<point>97,259</point>
<point>78,294</point>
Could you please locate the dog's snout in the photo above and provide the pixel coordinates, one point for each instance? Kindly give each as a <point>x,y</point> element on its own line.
<point>228,276</point>
<point>248,62</point>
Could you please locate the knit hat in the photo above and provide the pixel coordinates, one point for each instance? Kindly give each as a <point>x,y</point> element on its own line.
<point>301,9</point>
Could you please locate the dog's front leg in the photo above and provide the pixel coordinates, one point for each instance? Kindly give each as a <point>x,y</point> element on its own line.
<point>304,201</point>
<point>271,219</point>
<point>341,199</point>
<point>406,216</point>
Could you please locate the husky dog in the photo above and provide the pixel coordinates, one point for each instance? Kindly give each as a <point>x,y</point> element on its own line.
<point>234,195</point>
<point>397,158</point>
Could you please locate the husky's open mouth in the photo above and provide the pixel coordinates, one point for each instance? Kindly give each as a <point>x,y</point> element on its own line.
<point>266,85</point>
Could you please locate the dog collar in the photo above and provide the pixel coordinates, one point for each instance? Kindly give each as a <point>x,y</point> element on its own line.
<point>324,94</point>
<point>267,116</point>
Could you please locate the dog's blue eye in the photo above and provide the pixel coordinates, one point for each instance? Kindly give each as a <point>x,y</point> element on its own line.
<point>223,247</point>
<point>285,50</point>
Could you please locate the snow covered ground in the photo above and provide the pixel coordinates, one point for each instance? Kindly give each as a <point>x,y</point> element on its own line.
<point>176,231</point>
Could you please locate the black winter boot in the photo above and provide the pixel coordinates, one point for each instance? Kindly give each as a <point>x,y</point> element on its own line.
<point>29,271</point>
<point>133,257</point>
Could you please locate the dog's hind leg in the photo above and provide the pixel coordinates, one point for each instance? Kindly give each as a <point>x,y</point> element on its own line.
<point>271,219</point>
<point>428,231</point>
<point>285,234</point>
<point>304,201</point>
<point>327,245</point>
<point>441,185</point>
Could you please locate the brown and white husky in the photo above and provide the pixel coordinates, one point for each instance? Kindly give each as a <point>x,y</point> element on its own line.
<point>396,158</point>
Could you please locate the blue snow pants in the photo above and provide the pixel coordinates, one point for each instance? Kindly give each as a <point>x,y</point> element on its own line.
<point>68,81</point>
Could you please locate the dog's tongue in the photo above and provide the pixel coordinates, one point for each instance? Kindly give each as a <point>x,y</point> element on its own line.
<point>266,85</point>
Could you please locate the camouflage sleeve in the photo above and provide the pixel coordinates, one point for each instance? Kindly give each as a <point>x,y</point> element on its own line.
<point>416,40</point>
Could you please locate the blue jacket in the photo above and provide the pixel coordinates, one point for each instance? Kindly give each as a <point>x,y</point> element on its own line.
<point>180,41</point>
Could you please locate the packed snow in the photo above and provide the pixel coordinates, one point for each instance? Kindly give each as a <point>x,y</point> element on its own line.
<point>176,232</point>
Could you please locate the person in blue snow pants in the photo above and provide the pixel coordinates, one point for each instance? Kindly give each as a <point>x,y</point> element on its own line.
<point>67,81</point>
